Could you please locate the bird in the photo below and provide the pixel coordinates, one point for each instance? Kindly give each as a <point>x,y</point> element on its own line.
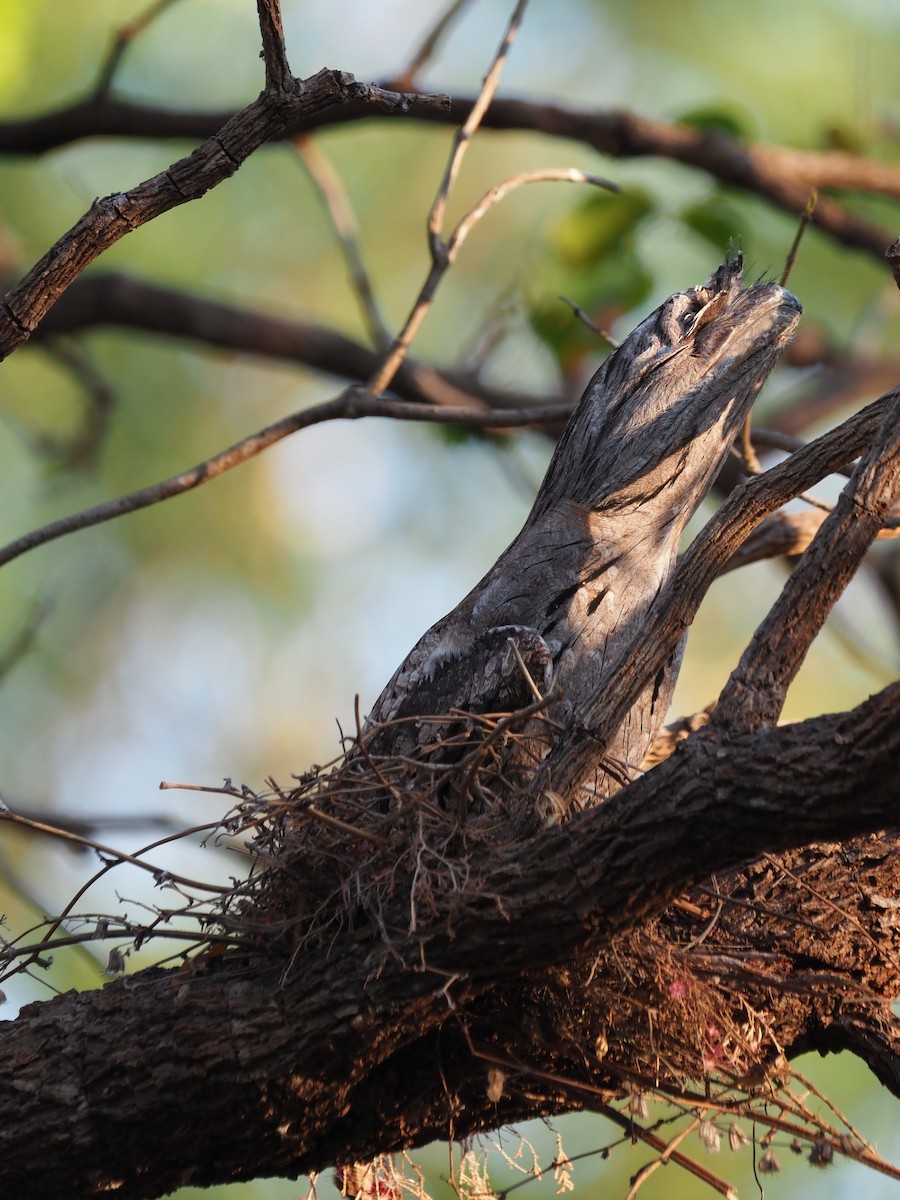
<point>638,455</point>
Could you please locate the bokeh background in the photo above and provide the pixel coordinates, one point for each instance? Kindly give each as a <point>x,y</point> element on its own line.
<point>225,633</point>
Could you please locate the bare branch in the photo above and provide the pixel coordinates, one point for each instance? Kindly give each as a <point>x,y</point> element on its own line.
<point>121,41</point>
<point>786,535</point>
<point>110,219</point>
<point>468,127</point>
<point>111,299</point>
<point>429,44</point>
<point>754,695</point>
<point>351,405</point>
<point>441,254</point>
<point>337,204</point>
<point>447,256</point>
<point>279,79</point>
<point>674,609</point>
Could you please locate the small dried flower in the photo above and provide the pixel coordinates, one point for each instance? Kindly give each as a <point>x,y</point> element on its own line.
<point>737,1139</point>
<point>637,1106</point>
<point>601,1046</point>
<point>496,1079</point>
<point>710,1136</point>
<point>768,1164</point>
<point>821,1154</point>
<point>562,1170</point>
<point>115,964</point>
<point>796,1146</point>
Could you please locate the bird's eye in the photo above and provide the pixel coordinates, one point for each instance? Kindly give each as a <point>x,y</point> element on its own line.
<point>689,319</point>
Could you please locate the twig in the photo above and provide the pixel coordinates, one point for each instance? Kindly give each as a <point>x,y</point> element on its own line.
<point>406,79</point>
<point>464,134</point>
<point>351,405</point>
<point>670,1147</point>
<point>227,790</point>
<point>121,41</point>
<point>579,313</point>
<point>751,461</point>
<point>108,298</point>
<point>334,196</point>
<point>602,1106</point>
<point>805,218</point>
<point>278,71</point>
<point>440,254</point>
<point>651,1139</point>
<point>781,175</point>
<point>80,448</point>
<point>116,858</point>
<point>113,217</point>
<point>120,856</point>
<point>448,251</point>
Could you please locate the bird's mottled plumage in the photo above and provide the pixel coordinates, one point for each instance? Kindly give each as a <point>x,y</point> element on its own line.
<point>636,459</point>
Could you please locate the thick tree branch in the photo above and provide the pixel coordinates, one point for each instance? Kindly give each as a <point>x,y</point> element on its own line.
<point>287,1094</point>
<point>189,178</point>
<point>109,299</point>
<point>670,616</point>
<point>756,691</point>
<point>782,176</point>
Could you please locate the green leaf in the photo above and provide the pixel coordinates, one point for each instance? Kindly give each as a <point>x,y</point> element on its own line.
<point>716,220</point>
<point>714,118</point>
<point>615,285</point>
<point>597,226</point>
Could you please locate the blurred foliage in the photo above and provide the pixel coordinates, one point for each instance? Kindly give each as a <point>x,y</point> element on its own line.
<point>590,261</point>
<point>716,118</point>
<point>222,633</point>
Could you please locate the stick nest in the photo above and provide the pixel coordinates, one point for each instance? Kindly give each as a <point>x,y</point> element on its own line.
<point>394,822</point>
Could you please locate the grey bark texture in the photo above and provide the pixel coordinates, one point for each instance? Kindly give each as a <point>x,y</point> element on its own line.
<point>635,461</point>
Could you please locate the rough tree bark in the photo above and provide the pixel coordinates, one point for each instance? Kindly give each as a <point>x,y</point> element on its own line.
<point>222,1073</point>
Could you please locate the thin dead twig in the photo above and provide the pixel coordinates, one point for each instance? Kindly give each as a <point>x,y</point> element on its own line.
<point>446,256</point>
<point>122,39</point>
<point>278,70</point>
<point>805,218</point>
<point>111,858</point>
<point>429,44</point>
<point>649,1168</point>
<point>351,405</point>
<point>80,448</point>
<point>439,252</point>
<point>464,134</point>
<point>751,461</point>
<point>337,204</point>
